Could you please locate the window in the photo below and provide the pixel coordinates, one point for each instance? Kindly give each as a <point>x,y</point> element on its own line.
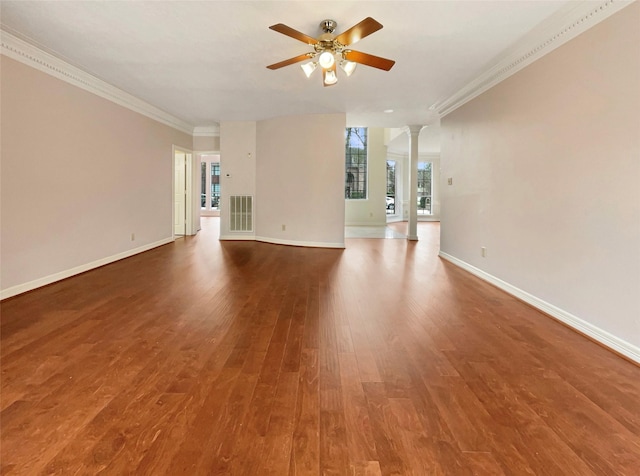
<point>355,185</point>
<point>215,186</point>
<point>391,187</point>
<point>203,185</point>
<point>209,183</point>
<point>424,188</point>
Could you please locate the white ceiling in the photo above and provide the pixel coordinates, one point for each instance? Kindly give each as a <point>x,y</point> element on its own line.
<point>205,61</point>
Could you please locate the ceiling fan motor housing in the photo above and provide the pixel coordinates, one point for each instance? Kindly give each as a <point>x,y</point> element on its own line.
<point>326,41</point>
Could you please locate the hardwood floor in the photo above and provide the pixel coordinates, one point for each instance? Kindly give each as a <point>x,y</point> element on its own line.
<point>245,358</point>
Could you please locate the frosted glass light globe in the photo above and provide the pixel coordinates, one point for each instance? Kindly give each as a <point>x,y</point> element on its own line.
<point>326,59</point>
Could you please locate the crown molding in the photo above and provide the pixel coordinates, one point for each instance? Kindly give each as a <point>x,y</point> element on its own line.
<point>208,131</point>
<point>570,21</point>
<point>26,53</point>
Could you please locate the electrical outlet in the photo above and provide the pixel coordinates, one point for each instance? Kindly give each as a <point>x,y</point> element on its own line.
<point>483,252</point>
<point>450,181</point>
<point>133,237</point>
<point>284,227</point>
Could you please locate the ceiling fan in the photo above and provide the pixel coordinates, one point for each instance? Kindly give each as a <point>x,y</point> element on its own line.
<point>330,50</point>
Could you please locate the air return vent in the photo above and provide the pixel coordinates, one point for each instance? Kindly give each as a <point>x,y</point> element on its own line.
<point>241,213</point>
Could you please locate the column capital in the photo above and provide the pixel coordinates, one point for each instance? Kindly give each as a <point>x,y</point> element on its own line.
<point>413,130</point>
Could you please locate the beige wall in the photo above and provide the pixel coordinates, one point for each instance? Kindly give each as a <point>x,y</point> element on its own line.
<point>293,167</point>
<point>300,180</point>
<point>237,170</point>
<point>546,176</point>
<point>79,175</point>
<point>206,143</point>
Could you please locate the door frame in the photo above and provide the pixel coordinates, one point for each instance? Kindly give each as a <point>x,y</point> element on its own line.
<point>400,203</point>
<point>189,185</point>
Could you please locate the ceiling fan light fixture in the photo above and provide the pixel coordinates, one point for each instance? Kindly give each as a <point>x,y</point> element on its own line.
<point>330,77</point>
<point>348,66</point>
<point>331,51</point>
<point>309,68</point>
<point>326,59</point>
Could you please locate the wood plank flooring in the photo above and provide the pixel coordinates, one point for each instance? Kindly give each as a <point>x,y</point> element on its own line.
<point>241,358</point>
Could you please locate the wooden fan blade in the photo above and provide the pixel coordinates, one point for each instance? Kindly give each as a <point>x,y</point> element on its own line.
<point>369,60</point>
<point>359,31</point>
<point>287,30</point>
<point>324,75</point>
<point>289,61</point>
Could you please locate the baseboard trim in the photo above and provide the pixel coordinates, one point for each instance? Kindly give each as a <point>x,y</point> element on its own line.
<point>603,337</point>
<point>52,278</point>
<point>308,244</point>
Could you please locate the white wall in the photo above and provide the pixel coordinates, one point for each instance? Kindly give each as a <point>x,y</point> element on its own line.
<point>80,174</point>
<point>397,139</point>
<point>300,180</point>
<point>372,210</point>
<point>546,176</point>
<point>237,170</point>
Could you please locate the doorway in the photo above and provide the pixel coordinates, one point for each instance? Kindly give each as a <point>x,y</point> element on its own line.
<point>209,184</point>
<point>391,198</point>
<point>182,193</point>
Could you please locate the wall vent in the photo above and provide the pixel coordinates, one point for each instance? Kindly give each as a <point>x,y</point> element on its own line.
<point>241,213</point>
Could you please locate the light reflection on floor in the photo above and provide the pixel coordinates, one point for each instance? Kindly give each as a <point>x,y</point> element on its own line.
<point>371,232</point>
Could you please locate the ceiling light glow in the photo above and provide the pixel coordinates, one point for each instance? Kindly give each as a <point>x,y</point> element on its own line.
<point>330,77</point>
<point>326,59</point>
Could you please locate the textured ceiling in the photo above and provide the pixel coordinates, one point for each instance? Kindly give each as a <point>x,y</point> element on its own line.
<point>204,62</point>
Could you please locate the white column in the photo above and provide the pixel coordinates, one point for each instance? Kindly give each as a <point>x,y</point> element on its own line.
<point>414,132</point>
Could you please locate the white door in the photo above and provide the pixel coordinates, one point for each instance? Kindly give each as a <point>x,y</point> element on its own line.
<point>180,194</point>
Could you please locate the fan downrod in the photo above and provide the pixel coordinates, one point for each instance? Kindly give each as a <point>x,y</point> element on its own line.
<point>328,26</point>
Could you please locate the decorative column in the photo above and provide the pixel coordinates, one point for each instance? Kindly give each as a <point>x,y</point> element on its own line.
<point>413,132</point>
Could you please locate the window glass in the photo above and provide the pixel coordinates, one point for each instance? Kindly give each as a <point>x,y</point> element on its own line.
<point>355,186</point>
<point>424,188</point>
<point>391,187</point>
<point>210,185</point>
<point>215,186</point>
<point>203,185</point>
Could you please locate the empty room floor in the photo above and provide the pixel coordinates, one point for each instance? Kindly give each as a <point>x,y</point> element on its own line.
<point>246,358</point>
